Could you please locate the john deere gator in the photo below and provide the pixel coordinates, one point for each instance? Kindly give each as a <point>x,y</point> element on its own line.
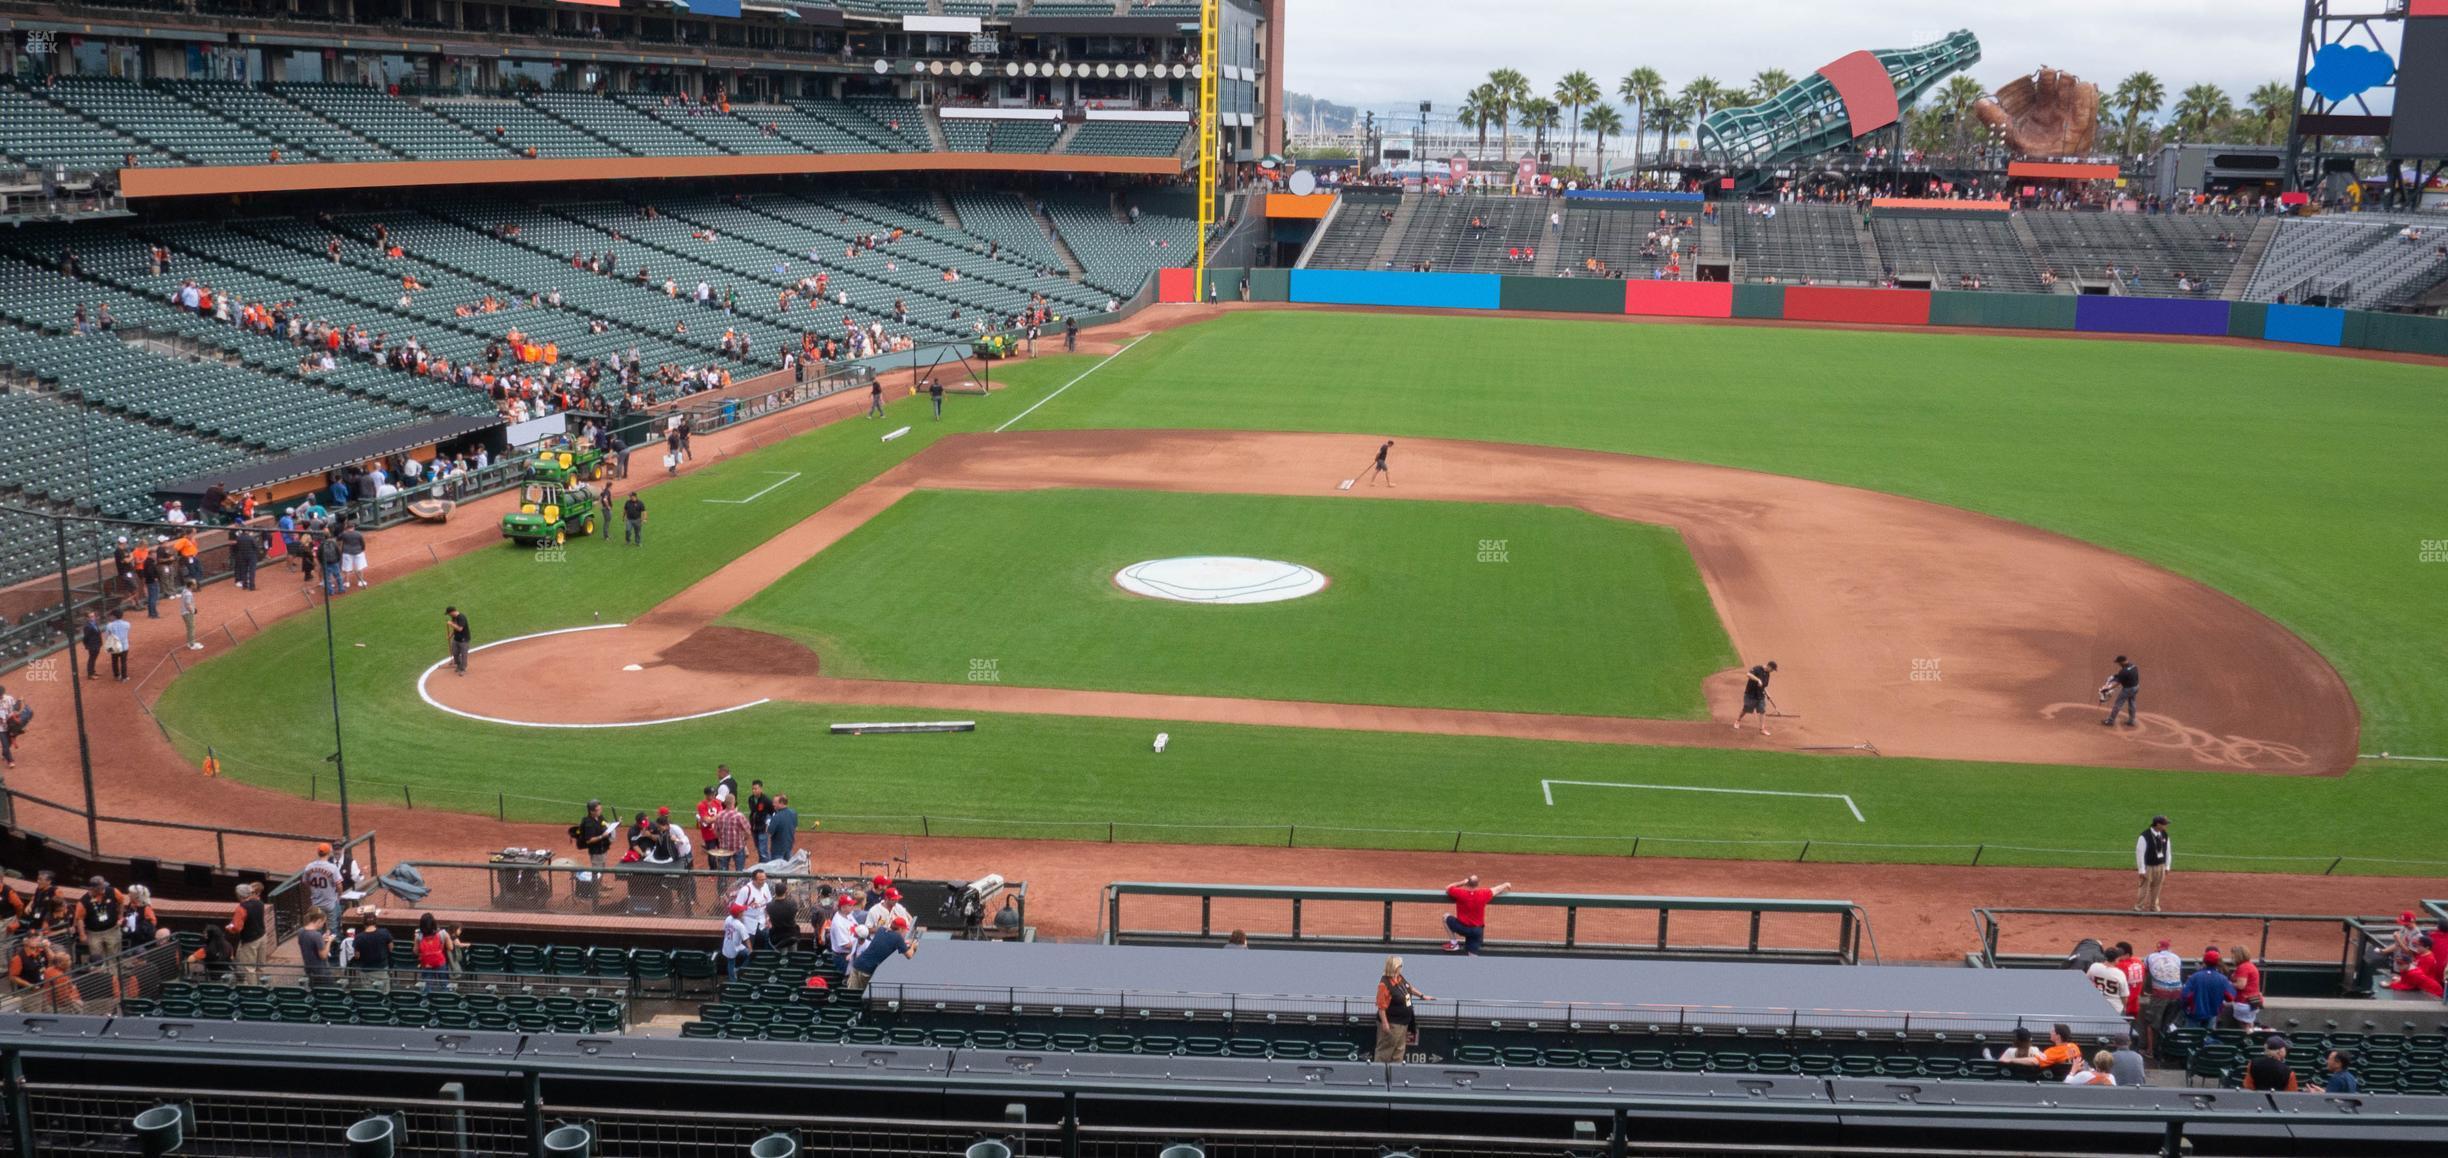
<point>549,513</point>
<point>565,463</point>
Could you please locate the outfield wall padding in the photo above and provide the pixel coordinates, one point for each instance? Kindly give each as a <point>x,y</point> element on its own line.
<point>1368,287</point>
<point>1178,284</point>
<point>1562,295</point>
<point>1886,307</point>
<point>1759,301</point>
<point>2246,319</point>
<point>2304,325</point>
<point>1270,285</point>
<point>2118,315</point>
<point>1677,299</point>
<point>2002,311</point>
<point>2404,333</point>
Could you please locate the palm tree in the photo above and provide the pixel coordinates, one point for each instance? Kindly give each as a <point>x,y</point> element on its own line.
<point>1669,118</point>
<point>2202,106</point>
<point>1601,120</point>
<point>1510,89</point>
<point>1541,116</point>
<point>1956,101</point>
<point>1702,95</point>
<point>1641,88</point>
<point>1768,82</point>
<point>2272,104</point>
<point>2139,95</point>
<point>1474,112</point>
<point>1576,91</point>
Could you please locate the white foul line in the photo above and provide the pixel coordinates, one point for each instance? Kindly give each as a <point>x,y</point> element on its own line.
<point>438,665</point>
<point>786,478</point>
<point>2386,756</point>
<point>1067,385</point>
<point>1547,789</point>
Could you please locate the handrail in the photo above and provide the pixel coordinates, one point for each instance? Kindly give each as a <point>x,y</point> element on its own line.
<point>2358,932</point>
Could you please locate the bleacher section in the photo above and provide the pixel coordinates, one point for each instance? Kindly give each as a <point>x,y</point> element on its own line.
<point>902,122</point>
<point>1952,246</point>
<point>167,123</point>
<point>2149,251</point>
<point>1126,138</point>
<point>1617,238</point>
<point>519,127</point>
<point>292,125</point>
<point>1007,221</point>
<point>616,122</point>
<point>1119,254</point>
<point>410,130</point>
<point>1359,227</point>
<point>1441,233</point>
<point>2358,260</point>
<point>1797,243</point>
<point>999,135</point>
<point>44,134</point>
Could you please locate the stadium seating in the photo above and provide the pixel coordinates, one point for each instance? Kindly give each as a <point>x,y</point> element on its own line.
<point>902,122</point>
<point>1819,243</point>
<point>1442,234</point>
<point>1950,247</point>
<point>806,129</point>
<point>999,135</point>
<point>1118,253</point>
<point>172,125</point>
<point>1353,237</point>
<point>404,128</point>
<point>1616,237</point>
<point>2360,260</point>
<point>618,122</point>
<point>2149,251</point>
<point>849,119</point>
<point>1127,138</point>
<point>289,123</point>
<point>43,133</point>
<point>519,127</point>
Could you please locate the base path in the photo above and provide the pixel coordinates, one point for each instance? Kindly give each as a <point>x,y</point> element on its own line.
<point>1920,629</point>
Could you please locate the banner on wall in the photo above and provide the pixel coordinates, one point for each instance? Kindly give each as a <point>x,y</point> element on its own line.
<point>1525,173</point>
<point>1458,168</point>
<point>730,8</point>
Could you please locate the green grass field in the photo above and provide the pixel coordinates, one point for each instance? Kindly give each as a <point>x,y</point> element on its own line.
<point>2292,481</point>
<point>1584,615</point>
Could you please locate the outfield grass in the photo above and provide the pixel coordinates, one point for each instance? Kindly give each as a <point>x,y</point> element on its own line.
<point>1574,614</point>
<point>2293,481</point>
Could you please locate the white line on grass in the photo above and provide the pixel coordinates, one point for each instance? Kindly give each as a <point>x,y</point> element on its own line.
<point>439,664</point>
<point>2387,756</point>
<point>785,481</point>
<point>1547,789</point>
<point>1067,385</point>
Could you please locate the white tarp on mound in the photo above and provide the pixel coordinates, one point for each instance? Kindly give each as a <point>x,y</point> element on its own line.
<point>1219,579</point>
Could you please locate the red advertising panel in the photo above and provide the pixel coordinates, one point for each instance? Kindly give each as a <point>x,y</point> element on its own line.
<point>1176,285</point>
<point>1809,303</point>
<point>1679,299</point>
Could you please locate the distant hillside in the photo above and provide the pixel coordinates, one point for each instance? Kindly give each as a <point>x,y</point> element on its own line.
<point>1329,117</point>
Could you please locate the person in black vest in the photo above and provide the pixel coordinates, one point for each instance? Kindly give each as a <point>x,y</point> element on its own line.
<point>250,933</point>
<point>90,634</point>
<point>97,919</point>
<point>2152,854</point>
<point>593,835</point>
<point>245,549</point>
<point>1397,1027</point>
<point>2126,683</point>
<point>35,914</point>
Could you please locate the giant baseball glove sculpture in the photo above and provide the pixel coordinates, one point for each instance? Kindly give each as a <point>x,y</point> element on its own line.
<point>2049,113</point>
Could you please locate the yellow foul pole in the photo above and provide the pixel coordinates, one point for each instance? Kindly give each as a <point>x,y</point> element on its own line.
<point>1210,63</point>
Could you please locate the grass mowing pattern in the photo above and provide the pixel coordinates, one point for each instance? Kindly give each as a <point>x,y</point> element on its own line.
<point>1575,614</point>
<point>2189,492</point>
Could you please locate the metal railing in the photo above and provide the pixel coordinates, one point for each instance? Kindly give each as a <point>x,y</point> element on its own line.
<point>648,890</point>
<point>221,834</point>
<point>2358,937</point>
<point>1852,924</point>
<point>97,986</point>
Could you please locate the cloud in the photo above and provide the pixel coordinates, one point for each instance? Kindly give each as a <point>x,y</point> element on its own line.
<point>2343,70</point>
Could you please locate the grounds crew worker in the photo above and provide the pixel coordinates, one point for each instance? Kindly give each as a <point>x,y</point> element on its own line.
<point>633,513</point>
<point>2152,855</point>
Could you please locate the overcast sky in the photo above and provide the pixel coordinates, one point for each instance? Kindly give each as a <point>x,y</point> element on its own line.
<point>1394,53</point>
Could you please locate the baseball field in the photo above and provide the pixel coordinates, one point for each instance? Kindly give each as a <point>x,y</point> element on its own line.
<point>1532,640</point>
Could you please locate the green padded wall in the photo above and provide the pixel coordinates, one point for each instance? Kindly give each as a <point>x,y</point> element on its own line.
<point>1759,301</point>
<point>2246,319</point>
<point>2002,311</point>
<point>1574,295</point>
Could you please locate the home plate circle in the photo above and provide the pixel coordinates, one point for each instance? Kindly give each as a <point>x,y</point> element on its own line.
<point>1219,579</point>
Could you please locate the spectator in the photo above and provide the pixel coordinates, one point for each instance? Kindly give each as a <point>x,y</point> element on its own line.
<point>12,724</point>
<point>27,964</point>
<point>314,948</point>
<point>709,809</point>
<point>250,932</point>
<point>879,949</point>
<point>139,926</point>
<point>2061,1051</point>
<point>2247,982</point>
<point>732,840</point>
<point>369,951</point>
<point>433,953</point>
<point>115,638</point>
<point>1397,1029</point>
<point>2207,993</point>
<point>886,909</point>
<point>754,894</point>
<point>782,919</point>
<point>2108,977</point>
<point>90,634</point>
<point>2270,1072</point>
<point>736,933</point>
<point>352,553</point>
<point>843,932</point>
<point>212,960</point>
<point>2094,1072</point>
<point>2126,1064</point>
<point>97,919</point>
<point>1237,939</point>
<point>2425,973</point>
<point>2340,1078</point>
<point>38,911</point>
<point>782,829</point>
<point>327,557</point>
<point>2022,1053</point>
<point>2405,942</point>
<point>2137,977</point>
<point>1468,923</point>
<point>2165,995</point>
<point>59,989</point>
